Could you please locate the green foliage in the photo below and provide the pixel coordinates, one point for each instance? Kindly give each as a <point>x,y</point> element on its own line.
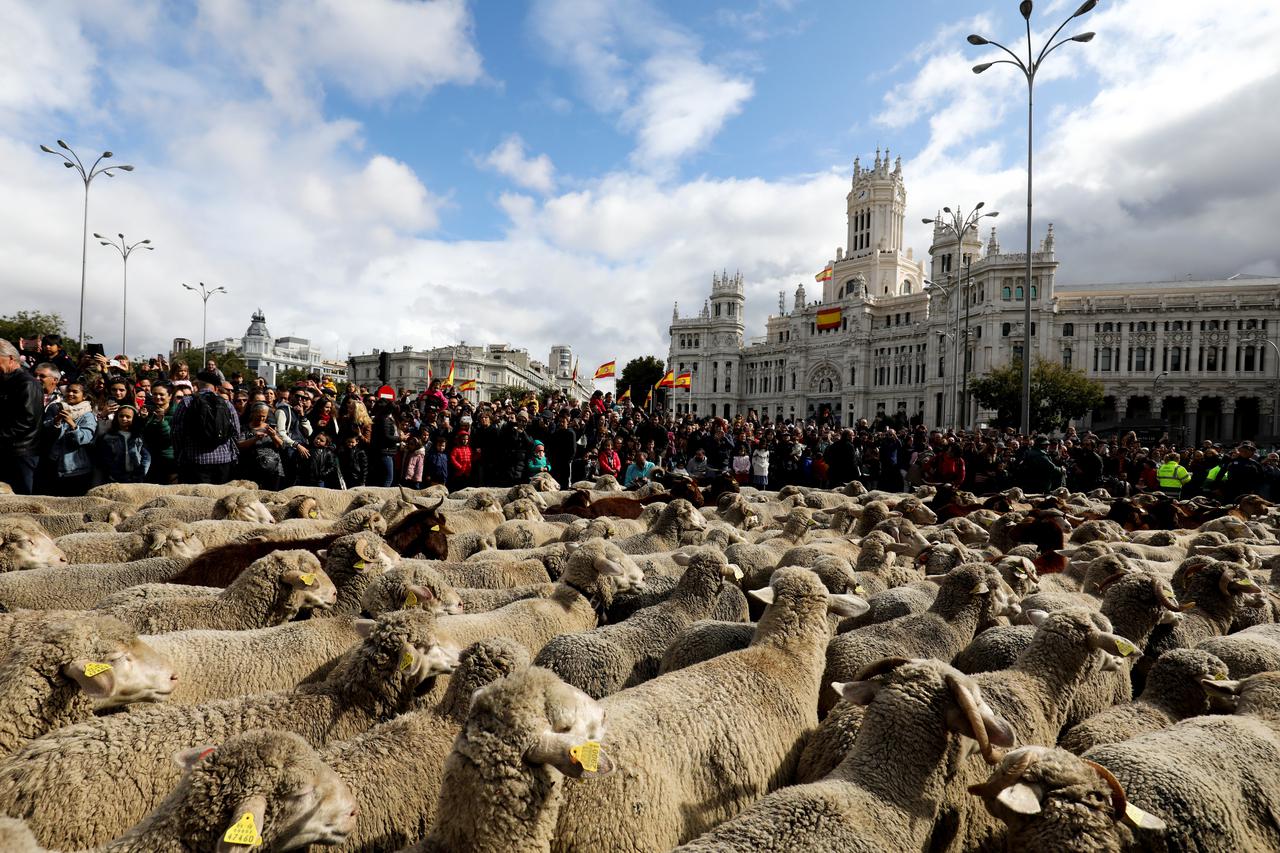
<point>514,393</point>
<point>36,324</point>
<point>1058,394</point>
<point>228,363</point>
<point>290,376</point>
<point>640,375</point>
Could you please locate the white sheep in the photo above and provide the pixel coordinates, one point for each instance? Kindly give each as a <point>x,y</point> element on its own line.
<point>82,586</point>
<point>26,545</point>
<point>167,539</point>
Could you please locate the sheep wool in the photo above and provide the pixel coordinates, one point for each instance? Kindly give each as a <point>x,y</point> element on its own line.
<point>84,585</point>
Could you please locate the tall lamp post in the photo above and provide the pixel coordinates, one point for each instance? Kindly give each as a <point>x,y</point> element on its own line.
<point>1275,413</point>
<point>959,225</point>
<point>86,175</point>
<point>125,250</point>
<point>1029,69</point>
<point>205,293</point>
<point>949,293</point>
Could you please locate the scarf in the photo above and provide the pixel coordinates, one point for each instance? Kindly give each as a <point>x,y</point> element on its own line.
<point>79,410</point>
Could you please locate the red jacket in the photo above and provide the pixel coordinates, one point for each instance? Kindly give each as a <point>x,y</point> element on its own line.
<point>951,470</point>
<point>460,460</point>
<point>610,463</point>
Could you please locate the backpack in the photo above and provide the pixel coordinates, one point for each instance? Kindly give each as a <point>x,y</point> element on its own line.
<point>208,421</point>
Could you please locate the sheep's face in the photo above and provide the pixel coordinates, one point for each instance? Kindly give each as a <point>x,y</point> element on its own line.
<point>686,517</point>
<point>310,588</point>
<point>914,509</point>
<point>319,811</point>
<point>606,483</point>
<point>121,672</point>
<point>422,660</point>
<point>544,482</point>
<point>1020,574</point>
<point>28,546</point>
<point>522,508</point>
<point>255,511</point>
<point>174,542</point>
<point>484,502</point>
<point>618,569</point>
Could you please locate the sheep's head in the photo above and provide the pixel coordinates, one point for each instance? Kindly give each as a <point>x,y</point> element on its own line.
<point>1097,530</point>
<point>914,509</point>
<point>484,502</point>
<point>366,518</point>
<point>524,490</point>
<point>303,506</point>
<point>900,689</point>
<point>262,787</point>
<point>535,715</point>
<point>681,516</point>
<point>837,575</point>
<point>1204,581</point>
<point>1052,799</point>
<point>107,660</point>
<point>968,531</point>
<point>606,483</point>
<point>171,540</point>
<point>708,562</point>
<point>26,545</point>
<point>1229,526</point>
<point>800,590</point>
<point>544,482</point>
<point>1019,573</point>
<point>978,582</point>
<point>358,554</point>
<point>243,506</point>
<point>522,508</point>
<point>405,588</point>
<point>405,650</point>
<point>599,567</point>
<point>480,664</point>
<point>1178,675</point>
<point>1084,629</point>
<point>305,585</point>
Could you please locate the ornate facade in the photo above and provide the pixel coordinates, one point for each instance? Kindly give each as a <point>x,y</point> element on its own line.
<point>268,356</point>
<point>884,335</point>
<point>492,367</point>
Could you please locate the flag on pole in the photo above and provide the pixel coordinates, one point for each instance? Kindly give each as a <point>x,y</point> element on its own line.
<point>828,318</point>
<point>449,380</point>
<point>467,385</point>
<point>685,381</point>
<point>575,371</point>
<point>825,275</point>
<point>626,395</point>
<point>606,370</point>
<point>667,381</point>
<point>647,398</point>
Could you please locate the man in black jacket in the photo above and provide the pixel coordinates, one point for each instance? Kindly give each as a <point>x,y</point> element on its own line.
<point>561,444</point>
<point>21,404</point>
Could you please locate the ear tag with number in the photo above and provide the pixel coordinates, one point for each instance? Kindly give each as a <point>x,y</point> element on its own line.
<point>307,578</point>
<point>243,831</point>
<point>406,661</point>
<point>410,600</point>
<point>1126,648</point>
<point>313,514</point>
<point>359,564</point>
<point>92,669</point>
<point>587,754</point>
<point>1142,820</point>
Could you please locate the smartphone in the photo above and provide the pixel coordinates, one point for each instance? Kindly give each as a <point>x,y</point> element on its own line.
<point>95,349</point>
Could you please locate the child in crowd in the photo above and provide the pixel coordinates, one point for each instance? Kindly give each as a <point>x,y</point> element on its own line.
<point>353,463</point>
<point>741,464</point>
<point>437,463</point>
<point>121,454</point>
<point>537,462</point>
<point>760,467</point>
<point>321,467</point>
<point>415,459</point>
<point>460,460</point>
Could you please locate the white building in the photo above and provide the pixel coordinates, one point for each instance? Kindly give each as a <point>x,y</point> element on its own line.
<point>268,357</point>
<point>1194,353</point>
<point>493,366</point>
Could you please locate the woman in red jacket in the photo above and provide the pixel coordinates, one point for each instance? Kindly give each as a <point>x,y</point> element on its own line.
<point>460,460</point>
<point>608,459</point>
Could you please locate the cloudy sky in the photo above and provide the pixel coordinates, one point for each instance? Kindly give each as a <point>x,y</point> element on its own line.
<point>386,173</point>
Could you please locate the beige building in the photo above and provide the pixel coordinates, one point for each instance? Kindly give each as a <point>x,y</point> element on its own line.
<point>882,336</point>
<point>493,366</point>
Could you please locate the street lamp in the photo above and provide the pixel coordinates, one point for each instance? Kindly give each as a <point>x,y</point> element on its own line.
<point>948,293</point>
<point>204,325</point>
<point>125,250</point>
<point>1275,413</point>
<point>86,175</point>
<point>1029,69</point>
<point>961,224</point>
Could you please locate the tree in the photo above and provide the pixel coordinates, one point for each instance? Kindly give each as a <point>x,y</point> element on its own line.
<point>514,393</point>
<point>36,324</point>
<point>291,376</point>
<point>228,363</point>
<point>640,375</point>
<point>1058,394</point>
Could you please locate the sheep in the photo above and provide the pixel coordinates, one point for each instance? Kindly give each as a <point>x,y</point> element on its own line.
<point>414,746</point>
<point>1034,697</point>
<point>491,573</point>
<point>1247,652</point>
<point>463,546</point>
<point>884,796</point>
<point>1213,780</point>
<point>1216,590</point>
<point>137,494</point>
<point>502,786</point>
<point>522,533</point>
<point>272,591</point>
<point>239,506</point>
<point>123,759</point>
<point>1173,692</point>
<point>299,506</point>
<point>892,603</point>
<point>595,571</point>
<point>176,539</point>
<point>995,648</point>
<point>262,787</point>
<point>25,545</point>
<point>611,657</point>
<point>63,524</point>
<point>740,714</point>
<point>67,670</point>
<point>82,586</point>
<point>1053,800</point>
<point>664,534</point>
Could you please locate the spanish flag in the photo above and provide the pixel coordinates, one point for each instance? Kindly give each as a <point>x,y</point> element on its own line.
<point>605,370</point>
<point>829,318</point>
<point>467,385</point>
<point>825,275</point>
<point>667,381</point>
<point>685,380</point>
<point>647,398</point>
<point>626,395</point>
<point>449,379</point>
<point>575,371</point>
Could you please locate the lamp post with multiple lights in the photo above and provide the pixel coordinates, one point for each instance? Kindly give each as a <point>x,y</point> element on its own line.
<point>205,293</point>
<point>87,175</point>
<point>1029,69</point>
<point>959,225</point>
<point>125,250</point>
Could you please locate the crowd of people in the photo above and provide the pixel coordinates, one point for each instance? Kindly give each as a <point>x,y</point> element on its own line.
<point>67,425</point>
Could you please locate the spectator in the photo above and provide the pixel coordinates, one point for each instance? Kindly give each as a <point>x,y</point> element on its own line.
<point>638,471</point>
<point>122,454</point>
<point>538,461</point>
<point>211,366</point>
<point>1171,476</point>
<point>204,433</point>
<point>260,447</point>
<point>460,460</point>
<point>353,461</point>
<point>21,410</point>
<point>1036,473</point>
<point>320,468</point>
<point>698,467</point>
<point>760,467</point>
<point>562,444</point>
<point>607,460</point>
<point>157,429</point>
<point>51,351</point>
<point>385,444</point>
<point>517,447</point>
<point>415,461</point>
<point>1243,475</point>
<point>74,428</point>
<point>437,462</point>
<point>741,464</point>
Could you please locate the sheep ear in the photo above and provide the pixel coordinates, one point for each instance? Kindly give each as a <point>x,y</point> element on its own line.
<point>1021,798</point>
<point>1221,689</point>
<point>245,830</point>
<point>323,554</point>
<point>364,627</point>
<point>573,759</point>
<point>1036,617</point>
<point>857,692</point>
<point>765,594</point>
<point>845,605</point>
<point>898,548</point>
<point>680,558</point>
<point>96,679</point>
<point>188,758</point>
<point>609,568</point>
<point>1113,644</point>
<point>415,594</point>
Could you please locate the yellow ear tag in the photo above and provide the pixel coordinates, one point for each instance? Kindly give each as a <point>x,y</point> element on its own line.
<point>244,831</point>
<point>359,564</point>
<point>858,590</point>
<point>410,600</point>
<point>1141,819</point>
<point>313,514</point>
<point>92,669</point>
<point>587,754</point>
<point>435,528</point>
<point>307,578</point>
<point>406,661</point>
<point>1126,648</point>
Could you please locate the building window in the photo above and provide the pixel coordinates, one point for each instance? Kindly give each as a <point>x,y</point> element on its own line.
<point>1018,292</point>
<point>1068,330</point>
<point>1108,327</point>
<point>1033,328</point>
<point>1004,330</point>
<point>1066,357</point>
<point>717,309</point>
<point>1035,292</point>
<point>1106,360</point>
<point>1006,294</point>
<point>907,318</point>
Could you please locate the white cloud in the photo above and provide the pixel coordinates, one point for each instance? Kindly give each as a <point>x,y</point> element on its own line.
<point>44,63</point>
<point>509,159</point>
<point>683,106</point>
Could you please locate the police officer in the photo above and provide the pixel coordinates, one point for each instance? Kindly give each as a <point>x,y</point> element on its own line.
<point>1171,476</point>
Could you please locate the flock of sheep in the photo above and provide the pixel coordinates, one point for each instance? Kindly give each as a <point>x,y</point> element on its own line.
<point>216,668</point>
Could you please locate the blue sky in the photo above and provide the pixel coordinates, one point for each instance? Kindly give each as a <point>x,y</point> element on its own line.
<point>395,172</point>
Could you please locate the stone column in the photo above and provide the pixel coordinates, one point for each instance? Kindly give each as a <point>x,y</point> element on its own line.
<point>1191,415</point>
<point>1228,421</point>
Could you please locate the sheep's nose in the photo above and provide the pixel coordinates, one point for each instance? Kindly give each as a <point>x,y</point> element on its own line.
<point>173,676</point>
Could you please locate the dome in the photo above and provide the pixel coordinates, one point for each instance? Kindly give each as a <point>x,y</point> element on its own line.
<point>258,328</point>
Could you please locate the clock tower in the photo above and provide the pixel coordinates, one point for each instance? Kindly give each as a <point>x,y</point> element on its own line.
<point>874,263</point>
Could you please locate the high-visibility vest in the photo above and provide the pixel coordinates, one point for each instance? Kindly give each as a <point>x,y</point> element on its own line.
<point>1171,476</point>
<point>1214,473</point>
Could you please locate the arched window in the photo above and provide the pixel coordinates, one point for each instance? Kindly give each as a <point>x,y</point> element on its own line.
<point>1018,292</point>
<point>1004,330</point>
<point>1108,327</point>
<point>1066,357</point>
<point>1068,330</point>
<point>1035,292</point>
<point>906,285</point>
<point>1006,293</point>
